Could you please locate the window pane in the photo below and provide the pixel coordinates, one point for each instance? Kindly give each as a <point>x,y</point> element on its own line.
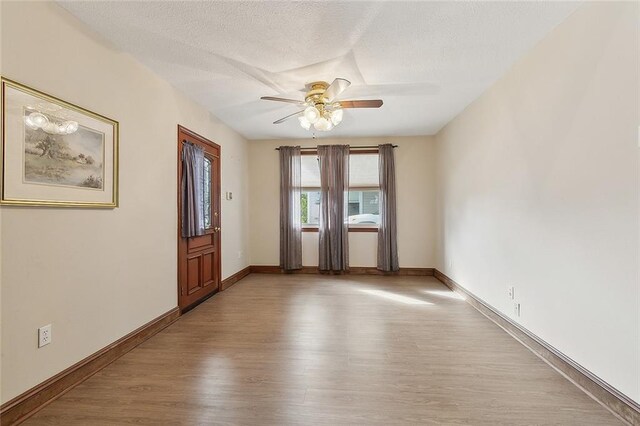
<point>364,207</point>
<point>363,170</point>
<point>370,202</point>
<point>310,207</point>
<point>310,171</point>
<point>206,187</point>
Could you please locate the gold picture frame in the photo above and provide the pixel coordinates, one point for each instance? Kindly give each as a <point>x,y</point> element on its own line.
<point>55,153</point>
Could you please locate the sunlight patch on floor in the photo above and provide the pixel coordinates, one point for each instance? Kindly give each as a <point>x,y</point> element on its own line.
<point>395,297</point>
<point>445,293</point>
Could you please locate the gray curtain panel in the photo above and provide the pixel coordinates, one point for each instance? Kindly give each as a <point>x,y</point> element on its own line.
<point>290,217</point>
<point>387,232</point>
<point>192,190</point>
<point>334,187</point>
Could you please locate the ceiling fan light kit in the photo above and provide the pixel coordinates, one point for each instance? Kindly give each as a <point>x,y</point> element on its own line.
<point>322,111</point>
<point>322,118</point>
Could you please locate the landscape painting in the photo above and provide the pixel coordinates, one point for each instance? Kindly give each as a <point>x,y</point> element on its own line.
<point>75,159</point>
<point>54,153</point>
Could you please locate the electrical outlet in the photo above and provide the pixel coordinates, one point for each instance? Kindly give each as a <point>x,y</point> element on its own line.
<point>239,254</point>
<point>516,309</point>
<point>229,195</point>
<point>44,335</point>
<point>512,292</point>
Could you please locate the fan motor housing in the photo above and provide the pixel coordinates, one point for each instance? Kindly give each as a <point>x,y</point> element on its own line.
<point>315,94</point>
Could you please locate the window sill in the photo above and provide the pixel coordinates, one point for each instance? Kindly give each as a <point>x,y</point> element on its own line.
<point>351,229</point>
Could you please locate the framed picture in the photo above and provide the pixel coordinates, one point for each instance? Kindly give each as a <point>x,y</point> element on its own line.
<point>55,153</point>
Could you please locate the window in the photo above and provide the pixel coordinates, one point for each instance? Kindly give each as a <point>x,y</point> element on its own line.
<point>206,189</point>
<point>310,201</point>
<point>364,191</point>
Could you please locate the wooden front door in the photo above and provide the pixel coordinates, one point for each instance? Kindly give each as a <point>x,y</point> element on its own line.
<point>199,257</point>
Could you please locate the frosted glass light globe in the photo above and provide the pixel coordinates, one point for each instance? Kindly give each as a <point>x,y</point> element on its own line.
<point>329,125</point>
<point>322,124</point>
<point>304,122</point>
<point>336,116</point>
<point>312,114</point>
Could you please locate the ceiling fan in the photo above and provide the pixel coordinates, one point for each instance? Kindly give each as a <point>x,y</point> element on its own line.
<point>321,109</point>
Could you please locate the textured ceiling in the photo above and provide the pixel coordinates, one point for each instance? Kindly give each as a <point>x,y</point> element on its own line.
<point>426,60</point>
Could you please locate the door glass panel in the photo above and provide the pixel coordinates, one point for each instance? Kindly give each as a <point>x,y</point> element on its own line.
<point>206,187</point>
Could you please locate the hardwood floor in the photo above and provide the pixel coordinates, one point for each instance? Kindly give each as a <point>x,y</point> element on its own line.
<point>305,349</point>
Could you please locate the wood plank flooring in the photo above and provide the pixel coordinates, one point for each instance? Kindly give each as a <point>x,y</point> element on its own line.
<point>316,350</point>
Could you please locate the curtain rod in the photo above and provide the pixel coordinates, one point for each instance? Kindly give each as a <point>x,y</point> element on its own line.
<point>350,147</point>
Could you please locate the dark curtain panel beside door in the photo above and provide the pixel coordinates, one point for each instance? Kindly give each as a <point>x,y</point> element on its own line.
<point>290,215</point>
<point>334,187</point>
<point>387,230</point>
<point>192,190</point>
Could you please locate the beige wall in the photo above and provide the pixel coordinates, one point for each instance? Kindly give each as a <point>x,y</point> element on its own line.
<point>538,188</point>
<point>415,173</point>
<point>96,275</point>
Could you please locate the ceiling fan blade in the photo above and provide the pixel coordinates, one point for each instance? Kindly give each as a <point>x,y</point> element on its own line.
<point>338,86</point>
<point>373,103</point>
<point>291,101</point>
<point>288,117</point>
